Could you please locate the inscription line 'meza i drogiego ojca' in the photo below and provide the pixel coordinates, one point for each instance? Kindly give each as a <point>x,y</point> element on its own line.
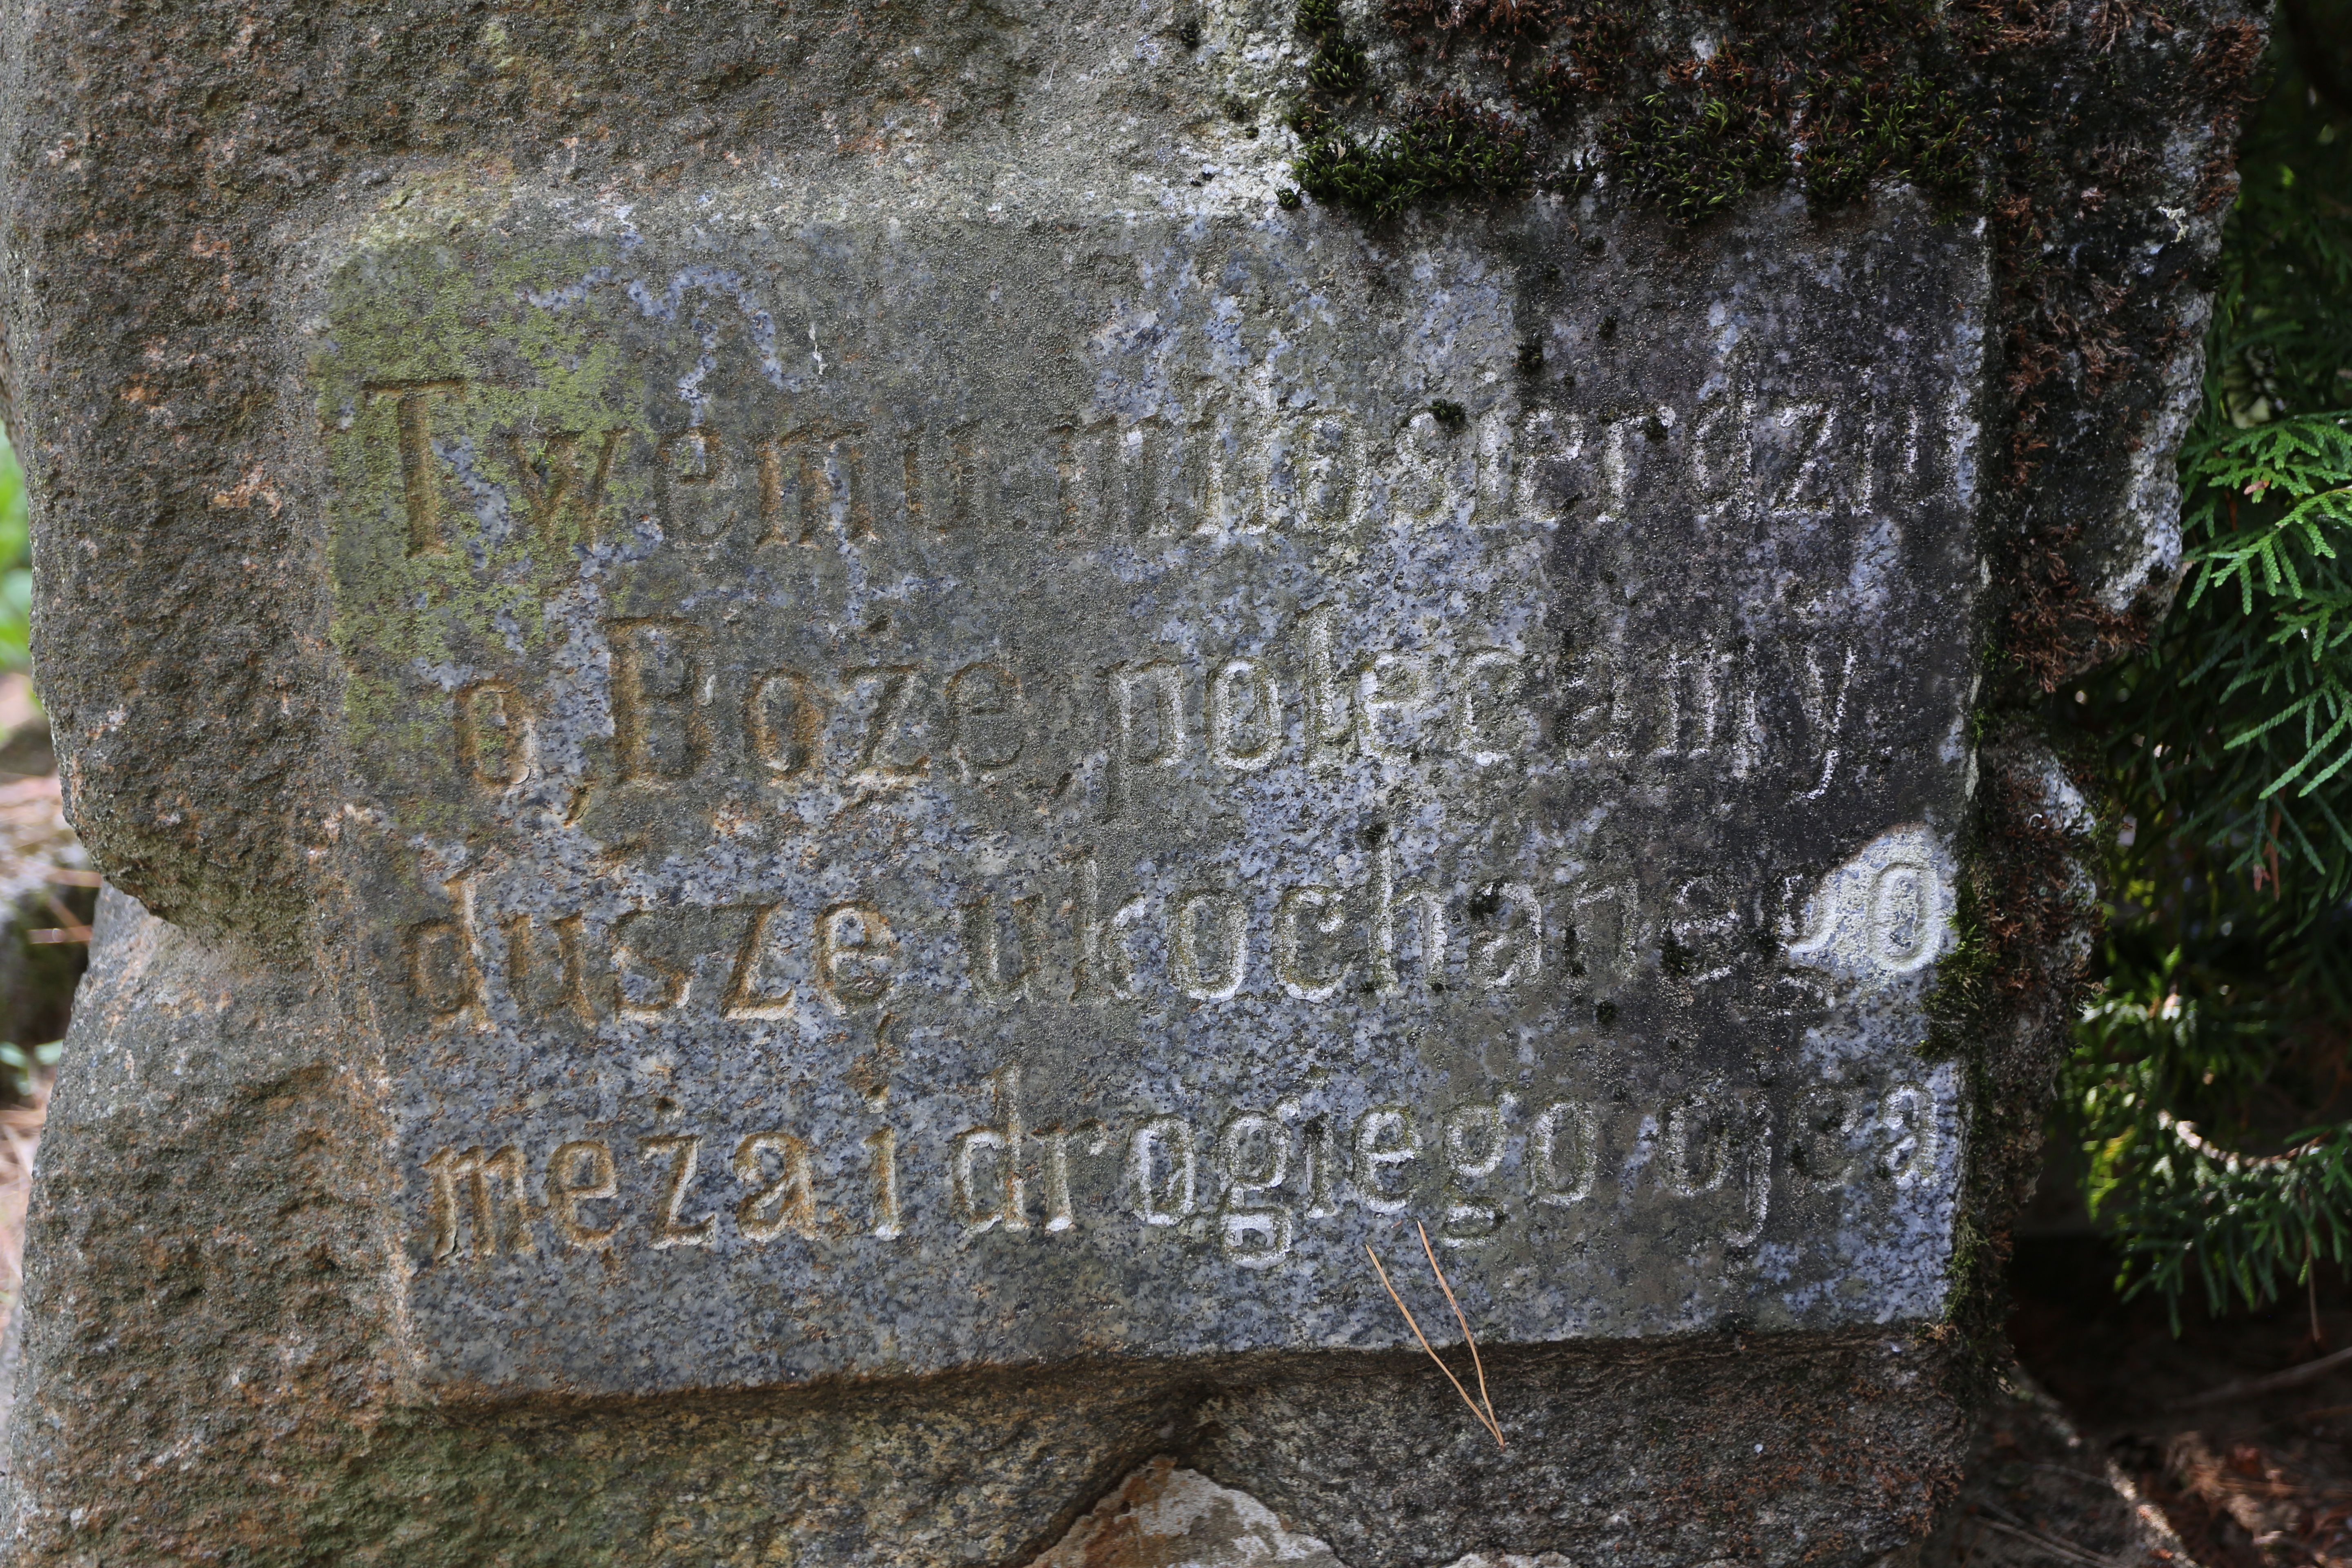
<point>1089,769</point>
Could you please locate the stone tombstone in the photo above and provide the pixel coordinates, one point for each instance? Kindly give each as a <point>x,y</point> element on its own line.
<point>922,801</point>
<point>856,771</point>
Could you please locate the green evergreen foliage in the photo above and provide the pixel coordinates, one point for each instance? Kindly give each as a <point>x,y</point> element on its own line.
<point>16,564</point>
<point>19,1063</point>
<point>2210,1092</point>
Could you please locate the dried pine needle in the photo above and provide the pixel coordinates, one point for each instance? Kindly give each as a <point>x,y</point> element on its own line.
<point>1484,1415</point>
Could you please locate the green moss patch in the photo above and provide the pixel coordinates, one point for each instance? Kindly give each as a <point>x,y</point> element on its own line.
<point>1542,94</point>
<point>1444,146</point>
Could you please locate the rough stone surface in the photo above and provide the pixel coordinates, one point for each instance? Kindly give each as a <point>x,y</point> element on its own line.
<point>830,764</point>
<point>1163,1514</point>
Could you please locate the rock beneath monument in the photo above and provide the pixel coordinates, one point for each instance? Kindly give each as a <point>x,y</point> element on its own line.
<point>851,783</point>
<point>1167,1517</point>
<point>1163,1517</point>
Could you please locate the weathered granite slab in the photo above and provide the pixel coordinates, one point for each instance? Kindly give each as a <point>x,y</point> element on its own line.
<point>827,752</point>
<point>942,792</point>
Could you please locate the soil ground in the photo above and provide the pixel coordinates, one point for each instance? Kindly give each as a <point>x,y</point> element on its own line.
<point>2261,1483</point>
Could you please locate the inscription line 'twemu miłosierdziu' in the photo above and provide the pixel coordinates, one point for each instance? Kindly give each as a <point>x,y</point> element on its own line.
<point>1219,471</point>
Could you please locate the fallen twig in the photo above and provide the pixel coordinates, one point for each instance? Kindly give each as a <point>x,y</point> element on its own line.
<point>1485,1416</point>
<point>2276,1382</point>
<point>1469,1338</point>
<point>2065,1550</point>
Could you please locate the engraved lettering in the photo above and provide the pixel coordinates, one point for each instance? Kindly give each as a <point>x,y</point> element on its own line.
<point>441,966</point>
<point>1104,970</point>
<point>420,477</point>
<point>984,1202</point>
<point>691,464</point>
<point>1073,476</point>
<point>1389,683</point>
<point>1513,955</point>
<point>747,996</point>
<point>1385,1142</point>
<point>770,455</point>
<point>1433,483</point>
<point>578,1174</point>
<point>1472,1139</point>
<point>1058,1215</point>
<point>886,723</point>
<point>1698,1148</point>
<point>882,1150</point>
<point>657,697</point>
<point>855,955</point>
<point>785,717</point>
<point>1163,1144</point>
<point>1902,917</point>
<point>1493,729</point>
<point>1208,939</point>
<point>492,740</point>
<point>983,947</point>
<point>1808,431</point>
<point>1609,951</point>
<point>1313,474</point>
<point>1588,703</point>
<point>910,470</point>
<point>1253,1153</point>
<point>482,1177</point>
<point>1320,1166</point>
<point>984,726</point>
<point>1824,706</point>
<point>1821,1138</point>
<point>819,485</point>
<point>551,487</point>
<point>535,983</point>
<point>1331,708</point>
<point>1148,711</point>
<point>650,984</point>
<point>675,1229</point>
<point>1245,715</point>
<point>1710,1140</point>
<point>1320,910</point>
<point>1908,1115</point>
<point>1565,1152</point>
<point>967,479</point>
<point>1388,901</point>
<point>787,1202</point>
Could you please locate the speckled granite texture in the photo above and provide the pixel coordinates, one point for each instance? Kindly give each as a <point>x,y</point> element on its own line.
<point>827,764</point>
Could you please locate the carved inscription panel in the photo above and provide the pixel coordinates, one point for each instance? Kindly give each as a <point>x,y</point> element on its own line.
<point>1000,791</point>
